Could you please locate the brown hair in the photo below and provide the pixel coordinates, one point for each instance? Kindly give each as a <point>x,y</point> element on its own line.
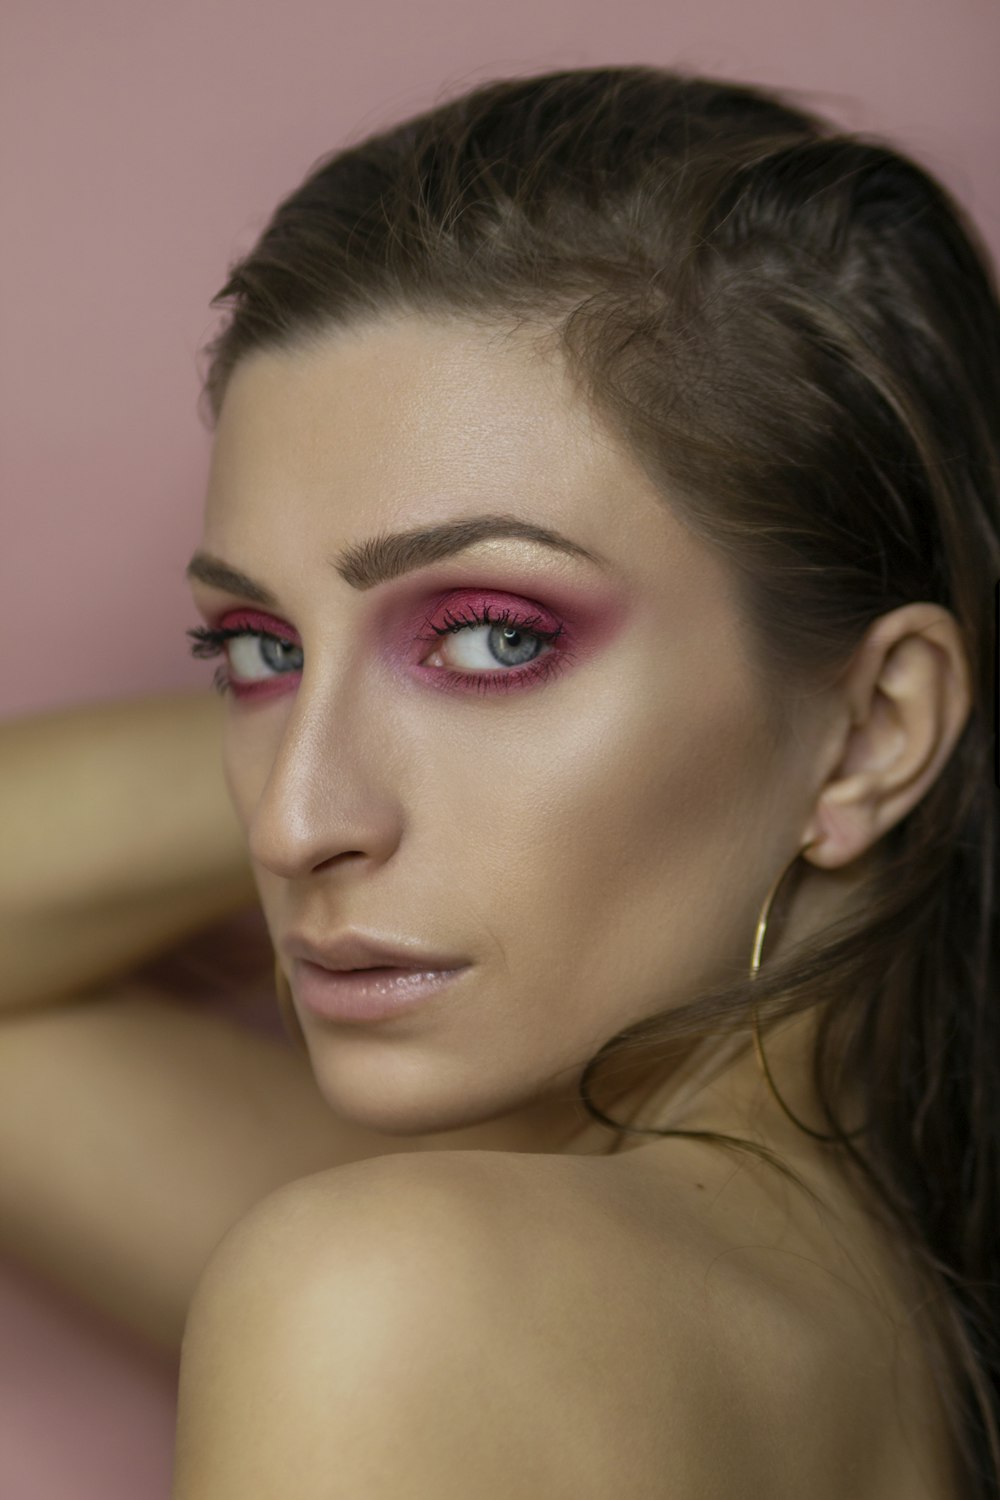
<point>796,332</point>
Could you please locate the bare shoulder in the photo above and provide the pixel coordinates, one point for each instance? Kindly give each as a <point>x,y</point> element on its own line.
<point>526,1325</point>
<point>353,1335</point>
<point>392,1224</point>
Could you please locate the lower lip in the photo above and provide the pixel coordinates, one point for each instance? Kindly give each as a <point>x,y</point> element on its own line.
<point>366,994</point>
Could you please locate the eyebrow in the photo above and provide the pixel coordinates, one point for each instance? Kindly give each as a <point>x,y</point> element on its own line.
<point>386,556</point>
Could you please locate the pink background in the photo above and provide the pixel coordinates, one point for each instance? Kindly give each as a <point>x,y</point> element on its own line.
<point>143,146</point>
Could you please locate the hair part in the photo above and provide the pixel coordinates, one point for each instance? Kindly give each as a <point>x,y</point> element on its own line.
<point>795,332</point>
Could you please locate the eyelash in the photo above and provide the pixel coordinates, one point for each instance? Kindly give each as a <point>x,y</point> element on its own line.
<point>210,643</point>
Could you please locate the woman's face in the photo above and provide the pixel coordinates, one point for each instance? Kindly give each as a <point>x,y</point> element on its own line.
<point>590,820</point>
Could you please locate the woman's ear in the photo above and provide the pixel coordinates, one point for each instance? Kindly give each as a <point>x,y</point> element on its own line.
<point>902,705</point>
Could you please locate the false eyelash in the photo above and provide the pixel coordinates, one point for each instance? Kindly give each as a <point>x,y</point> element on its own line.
<point>210,642</point>
<point>473,618</point>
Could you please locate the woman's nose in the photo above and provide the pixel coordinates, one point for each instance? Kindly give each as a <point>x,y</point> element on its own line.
<point>327,799</point>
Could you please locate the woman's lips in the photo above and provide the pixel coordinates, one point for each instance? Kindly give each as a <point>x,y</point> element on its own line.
<point>359,995</point>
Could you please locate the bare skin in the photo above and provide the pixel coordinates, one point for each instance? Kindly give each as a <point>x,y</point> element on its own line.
<point>595,843</point>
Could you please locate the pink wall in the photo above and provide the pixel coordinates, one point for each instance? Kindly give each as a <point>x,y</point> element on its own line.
<point>143,146</point>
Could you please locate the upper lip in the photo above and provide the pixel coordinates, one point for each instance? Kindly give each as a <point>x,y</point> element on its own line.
<point>356,950</point>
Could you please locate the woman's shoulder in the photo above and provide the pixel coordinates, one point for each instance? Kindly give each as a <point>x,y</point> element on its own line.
<point>690,1316</point>
<point>662,1319</point>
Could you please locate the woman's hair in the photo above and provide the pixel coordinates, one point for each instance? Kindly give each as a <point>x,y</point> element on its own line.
<point>796,333</point>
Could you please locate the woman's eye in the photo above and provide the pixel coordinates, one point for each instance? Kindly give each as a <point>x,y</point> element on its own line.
<point>252,656</point>
<point>255,658</point>
<point>488,647</point>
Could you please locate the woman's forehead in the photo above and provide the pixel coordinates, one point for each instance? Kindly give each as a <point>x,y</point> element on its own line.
<point>413,423</point>
<point>450,390</point>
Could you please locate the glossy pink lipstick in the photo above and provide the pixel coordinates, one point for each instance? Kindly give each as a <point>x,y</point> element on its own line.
<point>360,995</point>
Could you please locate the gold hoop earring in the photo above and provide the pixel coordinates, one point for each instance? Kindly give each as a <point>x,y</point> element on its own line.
<point>754,968</point>
<point>286,1008</point>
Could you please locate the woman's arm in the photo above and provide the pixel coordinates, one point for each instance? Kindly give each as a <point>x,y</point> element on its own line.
<point>119,840</point>
<point>136,1128</point>
<point>135,1131</point>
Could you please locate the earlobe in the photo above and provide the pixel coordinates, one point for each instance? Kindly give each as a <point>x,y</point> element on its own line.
<point>846,822</point>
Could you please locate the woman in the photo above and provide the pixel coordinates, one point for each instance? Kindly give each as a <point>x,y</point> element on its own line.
<point>601,535</point>
<point>603,520</point>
